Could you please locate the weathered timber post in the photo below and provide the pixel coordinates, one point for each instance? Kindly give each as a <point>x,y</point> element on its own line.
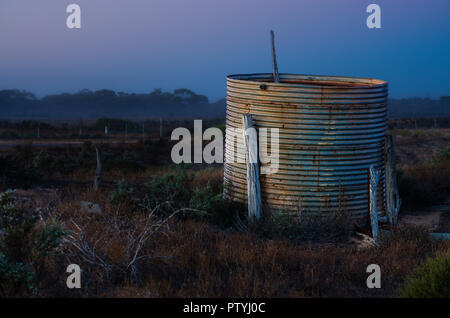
<point>98,170</point>
<point>39,131</point>
<point>393,200</point>
<point>160,127</point>
<point>251,154</point>
<point>374,179</point>
<point>276,77</point>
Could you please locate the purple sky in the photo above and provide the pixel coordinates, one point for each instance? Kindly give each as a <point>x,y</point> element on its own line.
<point>139,45</point>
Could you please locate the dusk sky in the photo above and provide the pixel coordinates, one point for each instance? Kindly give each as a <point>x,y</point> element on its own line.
<point>139,45</point>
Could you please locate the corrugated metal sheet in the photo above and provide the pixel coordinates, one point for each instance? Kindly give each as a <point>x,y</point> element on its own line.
<point>331,130</point>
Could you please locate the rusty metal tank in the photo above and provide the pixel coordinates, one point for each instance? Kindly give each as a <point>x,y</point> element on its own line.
<point>331,130</point>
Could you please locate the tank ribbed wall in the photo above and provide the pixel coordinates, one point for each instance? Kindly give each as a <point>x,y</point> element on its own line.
<point>331,130</point>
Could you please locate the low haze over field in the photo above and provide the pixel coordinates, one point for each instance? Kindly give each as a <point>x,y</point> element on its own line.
<point>137,46</point>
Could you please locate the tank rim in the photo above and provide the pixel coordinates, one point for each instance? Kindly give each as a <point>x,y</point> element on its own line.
<point>308,80</point>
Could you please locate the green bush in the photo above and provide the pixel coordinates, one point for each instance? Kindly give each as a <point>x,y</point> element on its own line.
<point>44,162</point>
<point>48,239</point>
<point>14,276</point>
<point>218,211</point>
<point>206,202</point>
<point>442,158</point>
<point>49,163</point>
<point>25,244</point>
<point>205,199</point>
<point>174,188</point>
<point>122,193</point>
<point>431,280</point>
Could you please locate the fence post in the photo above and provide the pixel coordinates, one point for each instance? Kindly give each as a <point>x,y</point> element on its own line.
<point>374,179</point>
<point>393,201</point>
<point>98,170</point>
<point>253,184</point>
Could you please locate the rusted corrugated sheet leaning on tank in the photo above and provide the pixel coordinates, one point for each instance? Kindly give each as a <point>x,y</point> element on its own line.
<point>331,130</point>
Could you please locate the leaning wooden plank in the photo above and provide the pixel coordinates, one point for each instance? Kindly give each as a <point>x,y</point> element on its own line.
<point>393,201</point>
<point>253,185</point>
<point>374,179</point>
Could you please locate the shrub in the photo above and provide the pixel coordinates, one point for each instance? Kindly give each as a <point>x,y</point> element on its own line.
<point>333,228</point>
<point>424,185</point>
<point>24,246</point>
<point>218,211</point>
<point>183,189</point>
<point>122,193</point>
<point>14,276</point>
<point>48,163</point>
<point>204,199</point>
<point>44,162</point>
<point>48,239</point>
<point>442,158</point>
<point>174,188</point>
<point>431,280</point>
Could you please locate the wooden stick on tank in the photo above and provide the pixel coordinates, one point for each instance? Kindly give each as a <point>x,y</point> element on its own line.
<point>276,77</point>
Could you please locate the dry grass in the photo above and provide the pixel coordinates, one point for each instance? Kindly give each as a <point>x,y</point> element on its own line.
<point>191,258</point>
<point>211,176</point>
<point>133,250</point>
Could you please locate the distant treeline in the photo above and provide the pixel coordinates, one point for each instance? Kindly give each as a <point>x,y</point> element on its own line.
<point>182,103</point>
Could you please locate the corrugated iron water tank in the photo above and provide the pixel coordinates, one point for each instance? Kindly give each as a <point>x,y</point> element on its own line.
<point>331,130</point>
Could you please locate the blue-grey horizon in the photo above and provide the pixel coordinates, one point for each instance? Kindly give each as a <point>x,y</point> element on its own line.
<point>137,46</point>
